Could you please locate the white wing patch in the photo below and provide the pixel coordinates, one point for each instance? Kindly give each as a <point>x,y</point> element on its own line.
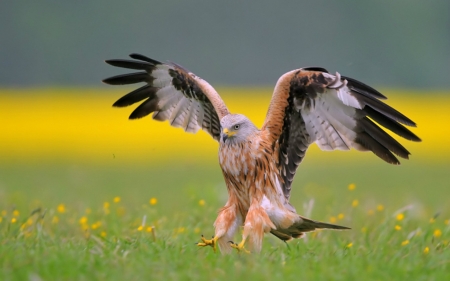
<point>342,91</point>
<point>330,122</point>
<point>172,93</point>
<point>174,106</point>
<point>161,76</point>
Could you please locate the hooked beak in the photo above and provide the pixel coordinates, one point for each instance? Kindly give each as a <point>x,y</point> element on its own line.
<point>226,134</point>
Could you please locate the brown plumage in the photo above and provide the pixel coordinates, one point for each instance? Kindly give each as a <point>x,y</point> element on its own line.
<point>308,105</point>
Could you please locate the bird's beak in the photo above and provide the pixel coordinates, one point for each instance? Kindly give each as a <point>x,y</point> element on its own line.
<point>227,134</point>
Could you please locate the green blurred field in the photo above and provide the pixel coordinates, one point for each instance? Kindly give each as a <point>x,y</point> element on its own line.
<point>67,156</point>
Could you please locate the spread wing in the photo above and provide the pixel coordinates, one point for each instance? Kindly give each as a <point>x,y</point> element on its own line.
<point>171,93</point>
<point>310,105</point>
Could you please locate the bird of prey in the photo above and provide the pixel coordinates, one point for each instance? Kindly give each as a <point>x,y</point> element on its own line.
<point>308,105</point>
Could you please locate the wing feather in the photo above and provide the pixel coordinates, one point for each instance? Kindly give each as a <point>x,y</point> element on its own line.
<point>310,105</point>
<point>171,93</point>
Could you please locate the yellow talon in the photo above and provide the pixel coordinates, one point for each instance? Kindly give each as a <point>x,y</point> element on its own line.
<point>239,247</point>
<point>205,242</point>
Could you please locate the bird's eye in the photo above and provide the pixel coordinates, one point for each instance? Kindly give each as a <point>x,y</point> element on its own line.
<point>236,127</point>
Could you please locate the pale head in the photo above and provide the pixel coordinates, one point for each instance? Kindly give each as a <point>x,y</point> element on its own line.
<point>236,128</point>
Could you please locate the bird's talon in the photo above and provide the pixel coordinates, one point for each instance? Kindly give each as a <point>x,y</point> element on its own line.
<point>206,242</point>
<point>239,247</point>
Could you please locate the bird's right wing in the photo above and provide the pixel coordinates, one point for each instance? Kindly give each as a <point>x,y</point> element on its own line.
<point>171,93</point>
<point>311,105</point>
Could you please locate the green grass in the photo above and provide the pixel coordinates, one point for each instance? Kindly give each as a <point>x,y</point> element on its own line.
<point>70,250</point>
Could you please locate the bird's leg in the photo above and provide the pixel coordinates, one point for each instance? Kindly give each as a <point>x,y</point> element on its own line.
<point>212,242</point>
<point>226,224</point>
<point>256,223</point>
<point>239,247</point>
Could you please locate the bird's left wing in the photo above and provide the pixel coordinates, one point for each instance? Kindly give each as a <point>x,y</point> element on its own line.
<point>311,105</point>
<point>172,93</point>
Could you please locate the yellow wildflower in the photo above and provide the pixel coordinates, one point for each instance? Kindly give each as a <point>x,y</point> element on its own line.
<point>432,220</point>
<point>106,208</point>
<point>398,227</point>
<point>400,216</point>
<point>16,213</point>
<point>140,228</point>
<point>333,219</point>
<point>380,208</point>
<point>61,208</point>
<point>103,234</point>
<point>340,216</point>
<point>437,233</point>
<point>201,202</point>
<point>364,229</point>
<point>351,186</point>
<point>406,242</point>
<point>13,220</point>
<point>153,201</point>
<point>181,230</point>
<point>83,220</point>
<point>149,229</point>
<point>355,203</point>
<point>349,245</point>
<point>116,199</point>
<point>55,220</point>
<point>96,225</point>
<point>1,219</point>
<point>447,222</point>
<point>426,250</point>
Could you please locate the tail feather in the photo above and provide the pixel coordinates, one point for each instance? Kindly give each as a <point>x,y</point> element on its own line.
<point>303,225</point>
<point>310,225</point>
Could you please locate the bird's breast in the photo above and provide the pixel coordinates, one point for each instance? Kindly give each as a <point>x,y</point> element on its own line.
<point>238,160</point>
<point>250,173</point>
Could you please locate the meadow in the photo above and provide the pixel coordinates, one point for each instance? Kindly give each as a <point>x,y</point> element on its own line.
<point>86,194</point>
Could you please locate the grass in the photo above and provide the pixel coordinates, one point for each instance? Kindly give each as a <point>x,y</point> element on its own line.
<point>88,224</point>
<point>87,195</point>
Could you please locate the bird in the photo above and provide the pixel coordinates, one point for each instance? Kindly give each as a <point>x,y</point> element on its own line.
<point>309,105</point>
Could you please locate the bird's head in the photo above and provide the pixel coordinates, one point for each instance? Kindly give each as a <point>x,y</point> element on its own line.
<point>236,128</point>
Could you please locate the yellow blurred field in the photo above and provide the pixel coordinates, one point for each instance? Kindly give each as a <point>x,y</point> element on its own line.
<point>82,193</point>
<point>80,125</point>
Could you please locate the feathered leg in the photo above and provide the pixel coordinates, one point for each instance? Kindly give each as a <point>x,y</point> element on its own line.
<point>257,222</point>
<point>226,225</point>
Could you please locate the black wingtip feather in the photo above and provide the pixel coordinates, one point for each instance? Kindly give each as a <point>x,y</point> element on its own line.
<point>385,110</point>
<point>383,138</point>
<point>363,87</point>
<point>135,96</point>
<point>391,125</point>
<point>131,64</point>
<point>147,107</point>
<point>144,58</point>
<point>379,150</point>
<point>129,78</point>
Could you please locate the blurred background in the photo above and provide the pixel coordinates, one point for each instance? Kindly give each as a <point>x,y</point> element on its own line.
<point>60,136</point>
<point>384,43</point>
